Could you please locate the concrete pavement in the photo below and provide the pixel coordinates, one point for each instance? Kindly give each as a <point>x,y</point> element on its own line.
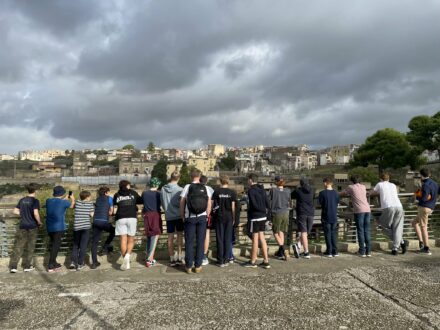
<point>382,292</point>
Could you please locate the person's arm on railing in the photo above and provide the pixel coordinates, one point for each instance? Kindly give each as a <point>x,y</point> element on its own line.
<point>182,207</point>
<point>37,217</point>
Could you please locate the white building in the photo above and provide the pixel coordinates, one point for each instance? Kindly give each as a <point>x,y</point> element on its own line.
<point>216,149</point>
<point>40,156</point>
<point>6,157</point>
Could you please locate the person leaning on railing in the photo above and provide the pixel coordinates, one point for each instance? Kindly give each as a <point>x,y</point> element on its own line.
<point>28,210</point>
<point>362,214</point>
<point>427,198</point>
<point>392,216</point>
<point>55,222</point>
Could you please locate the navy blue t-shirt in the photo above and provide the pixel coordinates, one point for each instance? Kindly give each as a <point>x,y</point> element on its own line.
<point>329,200</point>
<point>27,205</point>
<point>151,200</point>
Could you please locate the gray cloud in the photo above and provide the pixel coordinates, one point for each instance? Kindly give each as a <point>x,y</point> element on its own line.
<point>233,72</point>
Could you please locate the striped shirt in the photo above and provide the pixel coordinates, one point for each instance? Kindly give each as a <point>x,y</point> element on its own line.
<point>82,215</point>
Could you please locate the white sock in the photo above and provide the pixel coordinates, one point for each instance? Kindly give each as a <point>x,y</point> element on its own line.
<point>127,256</point>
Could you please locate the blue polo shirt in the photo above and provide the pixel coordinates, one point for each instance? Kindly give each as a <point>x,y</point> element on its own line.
<point>56,214</point>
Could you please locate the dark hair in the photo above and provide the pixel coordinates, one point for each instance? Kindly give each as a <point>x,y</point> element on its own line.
<point>84,194</point>
<point>327,180</point>
<point>385,176</point>
<point>103,190</point>
<point>425,172</point>
<point>123,184</point>
<point>253,177</point>
<point>32,187</point>
<point>195,173</point>
<point>355,179</point>
<point>203,179</point>
<point>175,176</point>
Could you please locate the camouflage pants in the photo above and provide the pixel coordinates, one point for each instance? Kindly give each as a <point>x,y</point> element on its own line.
<point>24,247</point>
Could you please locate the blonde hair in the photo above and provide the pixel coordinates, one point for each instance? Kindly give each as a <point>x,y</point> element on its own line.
<point>224,179</point>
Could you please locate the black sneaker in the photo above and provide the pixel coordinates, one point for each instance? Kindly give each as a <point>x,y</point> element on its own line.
<point>250,264</point>
<point>394,252</point>
<point>58,266</point>
<point>305,255</point>
<point>277,254</point>
<point>404,246</point>
<point>426,251</point>
<point>296,250</point>
<point>95,265</point>
<point>72,266</point>
<point>264,265</point>
<point>421,245</point>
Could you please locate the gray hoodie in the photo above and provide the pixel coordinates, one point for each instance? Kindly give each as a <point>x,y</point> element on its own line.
<point>170,199</point>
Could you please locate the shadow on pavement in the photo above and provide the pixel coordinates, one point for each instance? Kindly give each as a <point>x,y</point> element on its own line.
<point>85,310</point>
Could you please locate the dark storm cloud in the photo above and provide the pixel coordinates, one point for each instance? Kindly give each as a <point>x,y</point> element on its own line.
<point>233,72</point>
<point>58,17</point>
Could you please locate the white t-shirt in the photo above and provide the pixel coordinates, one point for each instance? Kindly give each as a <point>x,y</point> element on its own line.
<point>184,193</point>
<point>388,194</point>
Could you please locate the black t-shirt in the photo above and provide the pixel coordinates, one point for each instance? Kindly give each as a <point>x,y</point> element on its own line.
<point>27,205</point>
<point>222,199</point>
<point>126,201</point>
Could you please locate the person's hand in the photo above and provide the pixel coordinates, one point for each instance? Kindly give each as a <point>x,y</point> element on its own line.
<point>39,224</point>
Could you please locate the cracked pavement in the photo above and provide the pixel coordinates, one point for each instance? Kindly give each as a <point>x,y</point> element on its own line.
<point>383,292</point>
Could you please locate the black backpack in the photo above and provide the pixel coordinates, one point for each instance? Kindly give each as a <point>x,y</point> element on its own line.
<point>197,199</point>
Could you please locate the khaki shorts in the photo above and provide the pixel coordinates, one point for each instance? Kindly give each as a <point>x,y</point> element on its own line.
<point>423,216</point>
<point>280,222</point>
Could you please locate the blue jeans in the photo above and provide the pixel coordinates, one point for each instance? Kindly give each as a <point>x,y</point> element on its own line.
<point>331,237</point>
<point>195,228</point>
<point>363,228</point>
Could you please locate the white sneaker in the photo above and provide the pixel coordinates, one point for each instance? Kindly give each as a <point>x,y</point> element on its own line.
<point>29,269</point>
<point>13,270</point>
<point>205,261</point>
<point>126,262</point>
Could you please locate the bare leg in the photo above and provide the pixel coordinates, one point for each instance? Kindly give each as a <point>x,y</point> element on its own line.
<point>279,238</point>
<point>130,244</point>
<point>305,241</point>
<point>205,251</point>
<point>254,250</point>
<point>179,243</point>
<point>123,239</point>
<point>263,246</point>
<point>425,236</point>
<point>171,244</point>
<point>418,232</point>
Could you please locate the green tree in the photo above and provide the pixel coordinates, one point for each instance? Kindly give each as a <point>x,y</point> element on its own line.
<point>387,148</point>
<point>136,153</point>
<point>160,171</point>
<point>367,174</point>
<point>184,175</point>
<point>424,132</point>
<point>151,147</point>
<point>128,147</point>
<point>228,163</point>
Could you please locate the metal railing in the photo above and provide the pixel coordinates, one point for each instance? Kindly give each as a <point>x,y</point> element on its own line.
<point>347,230</point>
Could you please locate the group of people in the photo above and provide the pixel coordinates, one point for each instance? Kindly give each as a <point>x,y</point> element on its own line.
<point>191,212</point>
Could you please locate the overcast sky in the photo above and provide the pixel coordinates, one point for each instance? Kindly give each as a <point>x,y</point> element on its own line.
<point>77,74</point>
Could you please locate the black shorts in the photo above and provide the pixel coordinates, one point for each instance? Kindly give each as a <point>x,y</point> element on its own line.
<point>305,223</point>
<point>258,226</point>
